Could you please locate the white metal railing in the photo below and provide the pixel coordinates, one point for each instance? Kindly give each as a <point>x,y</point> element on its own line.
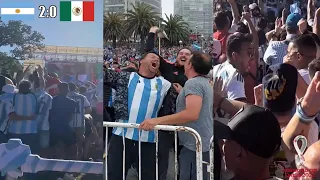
<point>16,159</point>
<point>211,161</point>
<point>174,129</point>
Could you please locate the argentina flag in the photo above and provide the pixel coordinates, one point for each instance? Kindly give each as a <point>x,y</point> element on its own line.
<point>17,10</point>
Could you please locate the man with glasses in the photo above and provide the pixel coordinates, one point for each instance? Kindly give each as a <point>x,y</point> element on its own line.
<point>239,52</point>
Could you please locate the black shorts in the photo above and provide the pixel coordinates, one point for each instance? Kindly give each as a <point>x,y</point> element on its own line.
<point>68,138</point>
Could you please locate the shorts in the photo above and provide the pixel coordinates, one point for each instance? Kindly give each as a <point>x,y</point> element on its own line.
<point>67,138</point>
<point>44,137</point>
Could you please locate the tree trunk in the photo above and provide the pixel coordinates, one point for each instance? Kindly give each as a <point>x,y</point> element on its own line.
<point>114,41</point>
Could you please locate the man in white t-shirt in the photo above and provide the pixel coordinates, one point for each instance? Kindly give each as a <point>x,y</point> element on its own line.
<point>239,53</point>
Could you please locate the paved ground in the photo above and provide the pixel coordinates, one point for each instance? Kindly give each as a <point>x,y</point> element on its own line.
<point>132,175</point>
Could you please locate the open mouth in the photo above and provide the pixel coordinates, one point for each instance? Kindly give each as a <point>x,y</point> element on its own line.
<point>154,65</point>
<point>183,59</point>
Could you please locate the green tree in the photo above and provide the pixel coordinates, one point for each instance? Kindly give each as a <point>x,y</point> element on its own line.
<point>9,64</point>
<point>21,38</point>
<point>176,29</point>
<point>140,20</point>
<point>113,27</point>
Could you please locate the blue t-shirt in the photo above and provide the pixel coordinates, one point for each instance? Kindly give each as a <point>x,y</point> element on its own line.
<point>61,114</point>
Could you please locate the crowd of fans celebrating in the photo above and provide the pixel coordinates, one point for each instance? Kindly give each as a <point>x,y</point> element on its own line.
<point>265,86</point>
<point>254,87</point>
<point>58,117</point>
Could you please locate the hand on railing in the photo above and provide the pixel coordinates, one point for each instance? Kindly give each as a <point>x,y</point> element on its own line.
<point>148,124</point>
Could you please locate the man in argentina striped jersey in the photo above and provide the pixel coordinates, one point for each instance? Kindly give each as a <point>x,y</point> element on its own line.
<point>78,121</point>
<point>139,96</point>
<point>7,114</point>
<point>44,103</point>
<point>25,104</point>
<point>44,107</point>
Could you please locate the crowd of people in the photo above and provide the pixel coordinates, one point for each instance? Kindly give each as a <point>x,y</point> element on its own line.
<point>58,117</point>
<point>254,88</point>
<point>265,86</point>
<point>265,83</point>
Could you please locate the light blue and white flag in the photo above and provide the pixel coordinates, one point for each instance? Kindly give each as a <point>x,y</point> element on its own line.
<point>17,10</point>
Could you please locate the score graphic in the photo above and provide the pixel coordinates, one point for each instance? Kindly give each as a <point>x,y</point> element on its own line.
<point>68,10</point>
<point>50,12</point>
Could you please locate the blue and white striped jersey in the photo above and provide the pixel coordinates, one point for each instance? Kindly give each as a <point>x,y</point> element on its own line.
<point>145,97</point>
<point>24,105</point>
<point>82,103</point>
<point>6,109</point>
<point>44,107</point>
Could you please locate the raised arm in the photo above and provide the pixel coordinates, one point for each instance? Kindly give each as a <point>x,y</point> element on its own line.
<point>151,38</point>
<point>235,11</point>
<point>316,24</point>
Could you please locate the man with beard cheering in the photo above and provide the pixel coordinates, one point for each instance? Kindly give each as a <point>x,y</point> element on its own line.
<point>174,73</point>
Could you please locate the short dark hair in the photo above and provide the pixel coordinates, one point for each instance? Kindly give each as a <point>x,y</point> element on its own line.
<point>82,90</point>
<point>220,20</point>
<point>314,66</point>
<point>72,87</point>
<point>305,43</point>
<point>201,63</point>
<point>292,30</point>
<point>315,38</point>
<point>25,87</point>
<point>242,28</point>
<point>235,41</point>
<point>63,88</point>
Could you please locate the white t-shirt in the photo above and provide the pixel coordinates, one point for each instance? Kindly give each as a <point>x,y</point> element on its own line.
<point>305,75</point>
<point>233,82</point>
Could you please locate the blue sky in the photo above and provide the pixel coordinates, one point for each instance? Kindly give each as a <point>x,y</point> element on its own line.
<point>76,34</point>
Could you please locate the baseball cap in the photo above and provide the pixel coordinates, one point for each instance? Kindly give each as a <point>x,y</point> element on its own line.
<point>279,88</point>
<point>292,20</point>
<point>216,48</point>
<point>254,128</point>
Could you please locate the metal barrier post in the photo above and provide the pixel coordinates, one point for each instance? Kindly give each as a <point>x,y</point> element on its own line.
<point>165,128</point>
<point>211,161</point>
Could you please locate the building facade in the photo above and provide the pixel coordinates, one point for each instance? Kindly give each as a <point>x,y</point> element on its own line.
<point>197,13</point>
<point>123,6</point>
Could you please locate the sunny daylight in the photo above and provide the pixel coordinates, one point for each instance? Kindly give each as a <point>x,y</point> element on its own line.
<point>149,50</point>
<point>51,90</point>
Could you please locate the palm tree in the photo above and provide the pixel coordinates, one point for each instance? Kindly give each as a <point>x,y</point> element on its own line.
<point>113,27</point>
<point>176,29</point>
<point>139,21</point>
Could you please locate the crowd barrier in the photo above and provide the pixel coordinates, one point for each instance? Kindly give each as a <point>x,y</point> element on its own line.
<point>16,159</point>
<point>174,129</point>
